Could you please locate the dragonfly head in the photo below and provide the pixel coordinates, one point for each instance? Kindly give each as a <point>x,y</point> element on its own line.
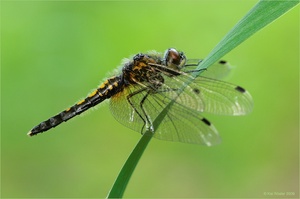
<point>174,59</point>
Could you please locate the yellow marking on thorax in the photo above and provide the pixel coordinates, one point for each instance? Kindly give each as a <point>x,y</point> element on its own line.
<point>139,66</point>
<point>68,109</point>
<point>80,102</point>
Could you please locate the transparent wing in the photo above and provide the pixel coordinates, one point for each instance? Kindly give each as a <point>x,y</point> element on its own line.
<point>214,96</point>
<point>185,125</point>
<point>179,124</point>
<point>209,95</point>
<point>218,70</point>
<point>141,102</point>
<point>124,112</point>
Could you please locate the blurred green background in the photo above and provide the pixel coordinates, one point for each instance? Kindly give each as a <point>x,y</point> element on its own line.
<point>55,53</point>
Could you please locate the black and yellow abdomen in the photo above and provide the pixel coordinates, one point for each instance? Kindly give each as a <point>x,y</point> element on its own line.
<point>109,88</point>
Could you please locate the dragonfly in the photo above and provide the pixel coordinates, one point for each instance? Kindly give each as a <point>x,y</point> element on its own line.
<point>148,82</point>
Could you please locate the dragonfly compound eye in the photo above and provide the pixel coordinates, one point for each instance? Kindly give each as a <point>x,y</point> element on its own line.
<point>174,59</point>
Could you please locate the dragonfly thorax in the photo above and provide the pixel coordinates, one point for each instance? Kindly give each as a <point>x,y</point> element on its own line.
<point>141,69</point>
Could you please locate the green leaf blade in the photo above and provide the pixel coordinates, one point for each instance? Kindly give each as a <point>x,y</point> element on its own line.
<point>262,14</point>
<point>123,178</point>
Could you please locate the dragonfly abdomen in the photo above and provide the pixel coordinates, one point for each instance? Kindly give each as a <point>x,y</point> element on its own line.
<point>107,89</point>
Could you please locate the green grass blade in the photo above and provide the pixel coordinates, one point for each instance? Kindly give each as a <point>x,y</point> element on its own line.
<point>262,14</point>
<point>122,180</point>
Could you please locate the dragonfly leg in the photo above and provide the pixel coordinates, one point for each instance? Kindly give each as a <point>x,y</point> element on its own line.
<point>133,106</point>
<point>150,125</point>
